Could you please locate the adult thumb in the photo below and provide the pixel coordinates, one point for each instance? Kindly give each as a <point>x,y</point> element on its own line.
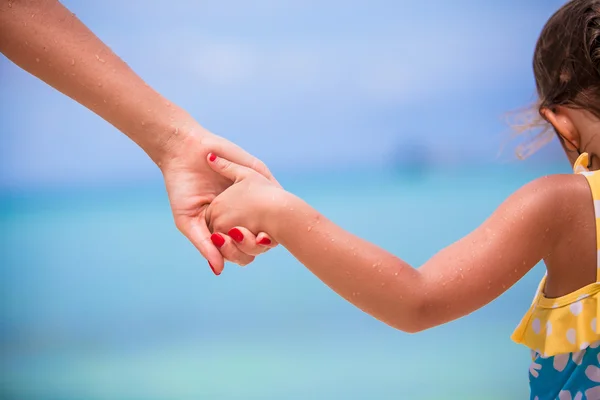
<point>232,171</point>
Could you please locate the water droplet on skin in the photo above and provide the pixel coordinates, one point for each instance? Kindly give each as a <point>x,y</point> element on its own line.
<point>37,60</point>
<point>32,15</point>
<point>395,274</point>
<point>72,61</point>
<point>143,123</point>
<point>309,229</point>
<point>168,104</point>
<point>333,240</point>
<point>100,59</point>
<point>9,5</point>
<point>382,284</point>
<point>99,84</point>
<point>176,131</point>
<point>26,43</point>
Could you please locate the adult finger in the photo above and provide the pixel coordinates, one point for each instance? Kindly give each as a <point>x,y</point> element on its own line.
<point>247,242</point>
<point>265,240</point>
<point>197,232</point>
<point>229,250</point>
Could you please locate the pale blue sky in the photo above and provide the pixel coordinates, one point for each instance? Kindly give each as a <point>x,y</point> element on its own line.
<point>303,84</point>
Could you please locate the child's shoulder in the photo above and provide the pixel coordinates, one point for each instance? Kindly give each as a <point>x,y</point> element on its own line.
<point>556,197</point>
<point>557,186</point>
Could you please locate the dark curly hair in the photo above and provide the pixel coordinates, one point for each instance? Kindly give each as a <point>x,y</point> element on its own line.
<point>566,66</point>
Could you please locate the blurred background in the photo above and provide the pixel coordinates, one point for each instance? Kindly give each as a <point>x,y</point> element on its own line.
<point>383,114</point>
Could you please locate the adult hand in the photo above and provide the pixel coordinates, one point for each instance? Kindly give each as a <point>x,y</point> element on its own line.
<point>192,185</point>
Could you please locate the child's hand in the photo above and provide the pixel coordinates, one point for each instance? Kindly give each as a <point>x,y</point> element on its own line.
<point>249,205</point>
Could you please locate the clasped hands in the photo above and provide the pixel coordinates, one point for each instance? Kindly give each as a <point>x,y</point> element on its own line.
<point>223,199</point>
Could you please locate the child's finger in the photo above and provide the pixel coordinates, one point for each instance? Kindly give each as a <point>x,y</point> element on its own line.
<point>229,250</point>
<point>246,241</point>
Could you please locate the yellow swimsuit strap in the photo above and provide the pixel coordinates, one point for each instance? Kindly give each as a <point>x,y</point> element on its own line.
<point>581,167</point>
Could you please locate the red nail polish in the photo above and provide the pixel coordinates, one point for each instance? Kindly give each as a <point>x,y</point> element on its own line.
<point>236,235</point>
<point>212,157</point>
<point>265,241</point>
<point>213,269</point>
<point>217,240</point>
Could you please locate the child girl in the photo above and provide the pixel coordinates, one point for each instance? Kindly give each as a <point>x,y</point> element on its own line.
<point>554,219</point>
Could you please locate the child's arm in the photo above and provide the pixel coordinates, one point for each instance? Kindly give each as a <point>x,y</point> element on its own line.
<point>457,281</point>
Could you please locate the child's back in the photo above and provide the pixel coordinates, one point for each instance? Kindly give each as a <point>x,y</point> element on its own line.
<point>561,326</point>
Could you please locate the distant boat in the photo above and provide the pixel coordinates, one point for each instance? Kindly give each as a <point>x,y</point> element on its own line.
<point>411,159</point>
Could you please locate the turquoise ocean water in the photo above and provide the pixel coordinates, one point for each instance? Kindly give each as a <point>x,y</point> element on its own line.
<point>102,298</point>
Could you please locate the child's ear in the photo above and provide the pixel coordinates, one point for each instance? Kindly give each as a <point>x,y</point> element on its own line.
<point>563,125</point>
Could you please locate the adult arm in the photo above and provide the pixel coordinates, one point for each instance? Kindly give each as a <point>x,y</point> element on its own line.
<point>47,40</point>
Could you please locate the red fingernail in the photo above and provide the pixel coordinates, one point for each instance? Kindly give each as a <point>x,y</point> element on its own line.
<point>213,269</point>
<point>236,234</point>
<point>212,157</point>
<point>265,241</point>
<point>217,240</point>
